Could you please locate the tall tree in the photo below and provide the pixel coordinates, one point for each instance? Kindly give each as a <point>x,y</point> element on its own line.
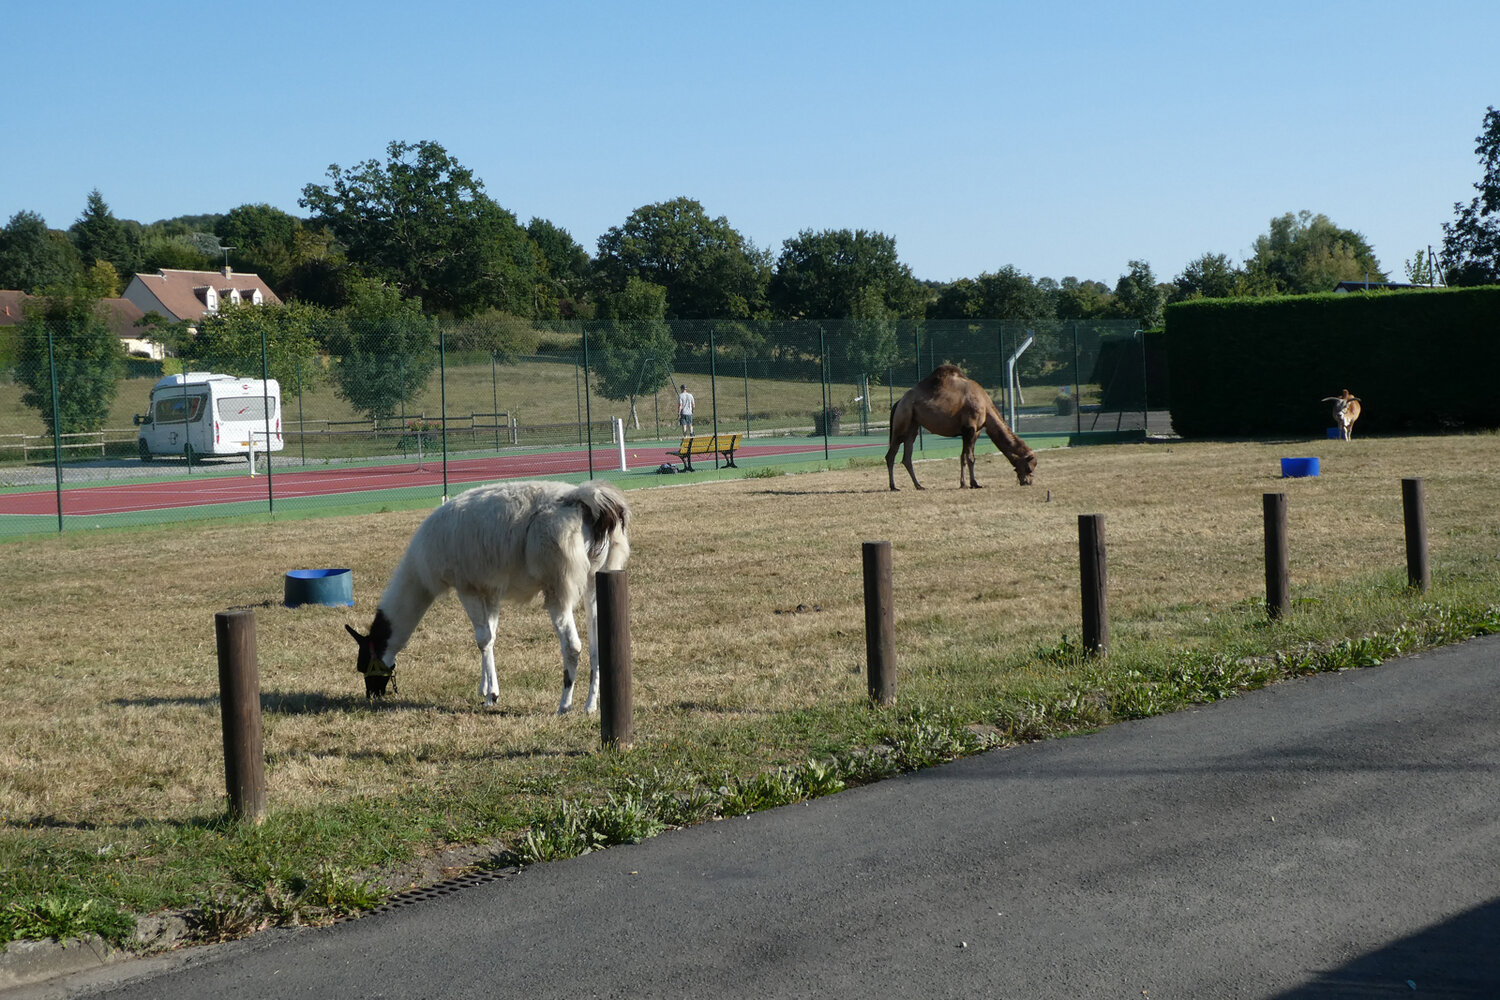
<point>562,284</point>
<point>871,347</point>
<point>422,221</point>
<point>263,241</point>
<point>1471,242</point>
<point>65,334</point>
<point>709,271</point>
<point>1138,297</point>
<point>1419,270</point>
<point>1006,294</point>
<point>631,353</point>
<point>98,235</point>
<point>823,275</point>
<point>384,349</point>
<point>232,338</point>
<point>33,257</point>
<point>1075,299</point>
<point>1307,253</point>
<point>1212,276</point>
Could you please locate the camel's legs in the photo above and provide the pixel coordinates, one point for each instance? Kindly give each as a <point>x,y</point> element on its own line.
<point>905,445</point>
<point>966,457</point>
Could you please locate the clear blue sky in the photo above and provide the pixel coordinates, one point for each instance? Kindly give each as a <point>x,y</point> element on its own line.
<point>1061,138</point>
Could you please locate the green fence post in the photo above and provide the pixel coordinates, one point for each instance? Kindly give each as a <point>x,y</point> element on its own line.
<point>56,435</point>
<point>301,424</point>
<point>713,385</point>
<point>1077,387</point>
<point>443,402</point>
<point>588,405</point>
<point>265,406</point>
<point>823,378</point>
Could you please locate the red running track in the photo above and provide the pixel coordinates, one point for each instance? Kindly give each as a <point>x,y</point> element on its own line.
<point>217,489</point>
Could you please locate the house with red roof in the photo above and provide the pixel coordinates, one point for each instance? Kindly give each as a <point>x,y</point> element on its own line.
<point>189,295</point>
<point>120,315</point>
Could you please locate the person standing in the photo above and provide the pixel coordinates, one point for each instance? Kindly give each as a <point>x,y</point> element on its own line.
<point>685,409</point>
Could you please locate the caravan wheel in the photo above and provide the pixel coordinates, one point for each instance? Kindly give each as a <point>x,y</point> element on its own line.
<point>145,449</point>
<point>189,454</point>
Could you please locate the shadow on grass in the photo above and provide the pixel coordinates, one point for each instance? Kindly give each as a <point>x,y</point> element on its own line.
<point>821,493</point>
<point>321,703</point>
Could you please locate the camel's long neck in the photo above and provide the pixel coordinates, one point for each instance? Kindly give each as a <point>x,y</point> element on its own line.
<point>1005,439</point>
<point>404,602</point>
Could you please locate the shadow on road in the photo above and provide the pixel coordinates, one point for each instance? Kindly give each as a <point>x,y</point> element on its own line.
<point>1459,958</point>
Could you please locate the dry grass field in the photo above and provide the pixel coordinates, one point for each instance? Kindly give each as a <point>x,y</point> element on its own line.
<point>747,624</point>
<point>110,713</point>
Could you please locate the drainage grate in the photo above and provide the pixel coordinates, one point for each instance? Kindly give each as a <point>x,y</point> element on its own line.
<point>447,887</point>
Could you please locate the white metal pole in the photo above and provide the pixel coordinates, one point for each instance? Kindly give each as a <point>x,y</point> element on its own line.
<point>620,433</point>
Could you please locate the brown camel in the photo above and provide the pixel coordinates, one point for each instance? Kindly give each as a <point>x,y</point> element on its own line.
<point>951,405</point>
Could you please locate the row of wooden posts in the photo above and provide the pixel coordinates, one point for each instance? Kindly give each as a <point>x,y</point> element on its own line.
<point>239,672</point>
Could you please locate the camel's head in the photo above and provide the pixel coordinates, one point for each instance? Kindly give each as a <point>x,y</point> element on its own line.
<point>1025,467</point>
<point>379,670</point>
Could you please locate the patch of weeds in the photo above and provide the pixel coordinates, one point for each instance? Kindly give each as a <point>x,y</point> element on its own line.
<point>626,817</point>
<point>819,778</point>
<point>1066,652</point>
<point>561,833</point>
<point>570,829</point>
<point>324,896</point>
<point>61,918</point>
<point>926,739</point>
<point>226,915</point>
<point>332,892</point>
<point>759,791</point>
<point>764,472</point>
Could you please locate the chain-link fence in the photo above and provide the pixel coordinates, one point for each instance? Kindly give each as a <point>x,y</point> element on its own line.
<point>87,441</point>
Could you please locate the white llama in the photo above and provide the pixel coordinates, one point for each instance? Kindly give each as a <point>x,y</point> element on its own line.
<point>506,542</point>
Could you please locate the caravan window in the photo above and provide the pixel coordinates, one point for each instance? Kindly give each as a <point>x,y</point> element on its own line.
<point>246,408</point>
<point>177,409</point>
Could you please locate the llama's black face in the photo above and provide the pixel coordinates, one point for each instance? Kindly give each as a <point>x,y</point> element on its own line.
<point>371,662</point>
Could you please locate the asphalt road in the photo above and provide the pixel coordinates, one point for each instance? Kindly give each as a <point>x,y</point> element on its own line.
<point>1336,836</point>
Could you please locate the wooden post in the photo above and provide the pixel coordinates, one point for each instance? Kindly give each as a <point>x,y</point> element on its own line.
<point>1414,504</point>
<point>239,702</point>
<point>616,707</point>
<point>1278,571</point>
<point>880,623</point>
<point>1094,577</point>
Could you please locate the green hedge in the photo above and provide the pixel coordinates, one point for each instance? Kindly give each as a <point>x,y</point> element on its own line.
<point>1422,360</point>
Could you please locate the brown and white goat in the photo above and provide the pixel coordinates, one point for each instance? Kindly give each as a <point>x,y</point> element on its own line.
<point>1345,411</point>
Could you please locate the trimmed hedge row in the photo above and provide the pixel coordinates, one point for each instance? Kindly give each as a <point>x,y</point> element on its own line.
<point>1421,360</point>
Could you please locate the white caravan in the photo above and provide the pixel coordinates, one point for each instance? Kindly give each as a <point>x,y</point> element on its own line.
<point>201,414</point>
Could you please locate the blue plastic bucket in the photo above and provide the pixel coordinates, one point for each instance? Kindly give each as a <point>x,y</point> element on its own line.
<point>333,587</point>
<point>1335,432</point>
<point>1296,468</point>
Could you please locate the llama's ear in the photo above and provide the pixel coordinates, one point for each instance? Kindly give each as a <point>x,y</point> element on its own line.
<point>357,637</point>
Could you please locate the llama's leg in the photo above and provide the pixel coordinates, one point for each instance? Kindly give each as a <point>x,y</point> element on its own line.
<point>561,613</point>
<point>485,618</point>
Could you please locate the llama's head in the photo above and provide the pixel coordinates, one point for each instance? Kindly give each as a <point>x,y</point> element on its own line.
<point>1025,466</point>
<point>372,660</point>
